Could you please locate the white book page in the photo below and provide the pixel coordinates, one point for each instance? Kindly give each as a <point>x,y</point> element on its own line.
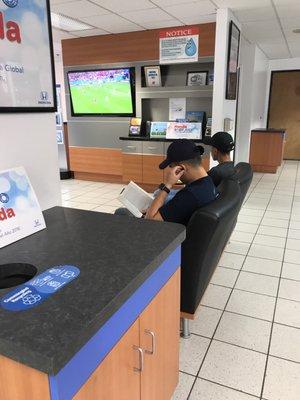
<point>135,199</point>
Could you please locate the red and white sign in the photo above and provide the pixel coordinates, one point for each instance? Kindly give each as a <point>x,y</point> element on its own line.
<point>179,45</point>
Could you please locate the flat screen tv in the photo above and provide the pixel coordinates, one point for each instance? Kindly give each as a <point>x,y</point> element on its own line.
<point>102,92</point>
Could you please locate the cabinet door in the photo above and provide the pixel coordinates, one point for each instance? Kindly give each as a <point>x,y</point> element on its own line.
<point>159,336</point>
<point>132,167</point>
<point>116,377</point>
<point>151,172</point>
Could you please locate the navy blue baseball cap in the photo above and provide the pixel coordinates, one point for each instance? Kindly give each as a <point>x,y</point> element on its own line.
<point>222,141</point>
<point>181,150</point>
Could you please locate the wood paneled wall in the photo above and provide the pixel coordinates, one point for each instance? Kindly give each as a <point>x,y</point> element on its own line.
<point>127,47</point>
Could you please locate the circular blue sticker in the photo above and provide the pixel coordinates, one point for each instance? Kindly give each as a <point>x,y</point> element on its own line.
<point>11,3</point>
<point>4,198</point>
<point>38,289</point>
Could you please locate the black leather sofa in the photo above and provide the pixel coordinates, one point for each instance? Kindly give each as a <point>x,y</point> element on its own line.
<point>207,234</point>
<point>244,175</point>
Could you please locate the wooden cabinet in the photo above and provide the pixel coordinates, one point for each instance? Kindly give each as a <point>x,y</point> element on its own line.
<point>144,365</point>
<point>159,333</point>
<point>116,377</point>
<point>132,167</point>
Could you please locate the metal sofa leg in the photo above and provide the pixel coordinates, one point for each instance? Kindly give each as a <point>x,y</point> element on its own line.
<point>185,332</point>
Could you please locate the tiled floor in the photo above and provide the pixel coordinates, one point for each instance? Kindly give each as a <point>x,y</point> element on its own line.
<point>245,342</point>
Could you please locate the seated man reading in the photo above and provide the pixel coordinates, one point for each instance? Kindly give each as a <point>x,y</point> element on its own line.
<point>183,162</point>
<point>222,144</point>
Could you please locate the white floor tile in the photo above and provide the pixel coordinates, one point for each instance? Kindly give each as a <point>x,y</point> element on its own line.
<point>206,321</point>
<point>293,244</point>
<point>248,332</point>
<point>192,352</point>
<point>105,209</point>
<point>291,271</point>
<point>87,207</point>
<point>184,387</point>
<point>243,227</point>
<point>262,266</point>
<point>285,342</point>
<point>230,260</point>
<point>251,304</point>
<point>292,256</point>
<point>242,237</point>
<point>282,380</point>
<point>289,290</point>
<point>294,233</point>
<point>224,277</point>
<point>279,223</point>
<point>272,241</point>
<point>261,284</point>
<point>288,313</point>
<point>204,390</point>
<point>295,225</point>
<point>277,215</point>
<point>237,247</point>
<point>231,366</point>
<point>251,212</point>
<point>247,219</point>
<point>272,231</point>
<point>216,296</point>
<point>269,252</point>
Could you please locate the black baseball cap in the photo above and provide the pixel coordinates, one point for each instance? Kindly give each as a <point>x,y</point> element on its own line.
<point>222,141</point>
<point>181,150</point>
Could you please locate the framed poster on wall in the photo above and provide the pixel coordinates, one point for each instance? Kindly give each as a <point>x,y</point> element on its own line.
<point>232,61</point>
<point>27,82</point>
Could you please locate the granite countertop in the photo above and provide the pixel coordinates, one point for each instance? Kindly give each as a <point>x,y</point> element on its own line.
<point>149,139</point>
<point>115,255</point>
<point>269,130</point>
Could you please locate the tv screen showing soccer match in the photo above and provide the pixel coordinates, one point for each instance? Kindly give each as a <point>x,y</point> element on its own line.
<point>102,92</point>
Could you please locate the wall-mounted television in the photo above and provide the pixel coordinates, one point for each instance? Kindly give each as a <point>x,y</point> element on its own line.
<point>109,92</point>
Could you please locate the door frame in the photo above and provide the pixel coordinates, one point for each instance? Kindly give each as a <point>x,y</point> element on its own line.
<point>273,72</point>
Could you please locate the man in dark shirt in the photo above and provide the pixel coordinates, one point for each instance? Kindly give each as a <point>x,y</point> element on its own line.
<point>222,144</point>
<point>183,162</point>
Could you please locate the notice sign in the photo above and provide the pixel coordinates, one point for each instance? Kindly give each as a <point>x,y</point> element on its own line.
<point>179,45</point>
<point>38,289</point>
<point>26,61</point>
<point>20,212</point>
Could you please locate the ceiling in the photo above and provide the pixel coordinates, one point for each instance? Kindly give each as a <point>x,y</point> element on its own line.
<point>268,23</point>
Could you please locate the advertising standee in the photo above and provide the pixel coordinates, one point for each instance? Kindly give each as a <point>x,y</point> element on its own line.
<point>26,61</point>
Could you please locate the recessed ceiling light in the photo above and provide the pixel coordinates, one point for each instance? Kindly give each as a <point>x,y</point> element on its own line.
<point>68,24</point>
<point>296,30</point>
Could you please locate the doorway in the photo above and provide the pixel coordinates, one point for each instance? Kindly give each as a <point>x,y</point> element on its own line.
<point>284,109</point>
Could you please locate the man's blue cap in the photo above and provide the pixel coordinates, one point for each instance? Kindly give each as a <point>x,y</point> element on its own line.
<point>181,150</point>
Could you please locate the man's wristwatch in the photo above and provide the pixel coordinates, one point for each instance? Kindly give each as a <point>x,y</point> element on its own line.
<point>162,186</point>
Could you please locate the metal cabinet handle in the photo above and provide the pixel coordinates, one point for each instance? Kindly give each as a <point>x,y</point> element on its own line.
<point>131,147</point>
<point>152,148</point>
<point>141,359</point>
<point>153,338</point>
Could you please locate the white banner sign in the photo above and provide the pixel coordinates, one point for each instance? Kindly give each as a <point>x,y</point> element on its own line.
<point>184,130</point>
<point>179,45</point>
<point>26,64</point>
<point>20,212</point>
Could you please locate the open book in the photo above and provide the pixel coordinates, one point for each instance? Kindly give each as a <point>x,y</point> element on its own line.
<point>135,199</point>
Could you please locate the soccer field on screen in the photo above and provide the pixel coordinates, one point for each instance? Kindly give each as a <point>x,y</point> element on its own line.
<point>106,98</point>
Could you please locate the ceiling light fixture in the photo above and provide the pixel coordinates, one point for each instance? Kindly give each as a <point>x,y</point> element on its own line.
<point>296,30</point>
<point>68,24</point>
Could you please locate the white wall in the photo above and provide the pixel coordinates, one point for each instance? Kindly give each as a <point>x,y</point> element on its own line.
<point>222,108</point>
<point>260,90</point>
<point>242,139</point>
<point>30,140</point>
<point>59,76</point>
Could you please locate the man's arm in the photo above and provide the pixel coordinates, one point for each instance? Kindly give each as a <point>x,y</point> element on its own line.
<point>172,175</point>
<point>158,202</point>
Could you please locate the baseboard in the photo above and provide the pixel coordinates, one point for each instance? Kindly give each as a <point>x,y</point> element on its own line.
<point>87,176</point>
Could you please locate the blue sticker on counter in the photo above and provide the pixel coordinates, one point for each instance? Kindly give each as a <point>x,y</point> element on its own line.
<point>38,289</point>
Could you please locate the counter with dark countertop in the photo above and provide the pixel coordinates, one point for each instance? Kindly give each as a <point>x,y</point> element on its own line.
<point>116,256</point>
